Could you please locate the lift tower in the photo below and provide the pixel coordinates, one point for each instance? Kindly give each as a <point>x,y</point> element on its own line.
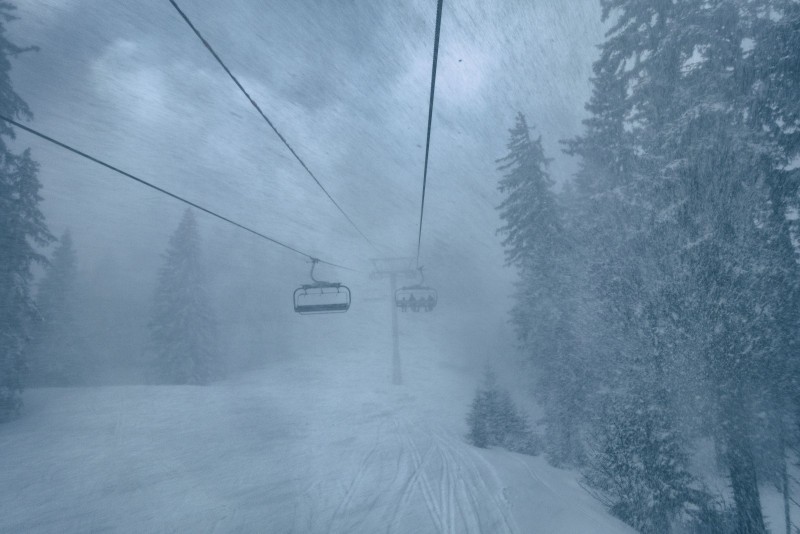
<point>392,268</point>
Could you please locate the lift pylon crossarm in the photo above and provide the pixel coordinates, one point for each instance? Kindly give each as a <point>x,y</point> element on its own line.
<point>398,267</point>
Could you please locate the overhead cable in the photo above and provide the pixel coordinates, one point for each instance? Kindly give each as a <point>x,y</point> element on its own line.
<point>164,191</point>
<point>264,116</point>
<point>430,120</point>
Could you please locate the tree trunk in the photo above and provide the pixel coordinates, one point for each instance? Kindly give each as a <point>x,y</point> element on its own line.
<point>787,514</point>
<point>744,483</point>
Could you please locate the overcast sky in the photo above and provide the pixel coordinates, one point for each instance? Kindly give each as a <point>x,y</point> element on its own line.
<point>346,81</point>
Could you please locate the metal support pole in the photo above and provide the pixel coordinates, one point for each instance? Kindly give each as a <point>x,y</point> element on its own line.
<point>391,268</point>
<point>397,370</point>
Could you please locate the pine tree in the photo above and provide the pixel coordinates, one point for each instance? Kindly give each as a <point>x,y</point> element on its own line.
<point>529,209</point>
<point>538,246</point>
<point>483,406</point>
<point>731,195</point>
<point>22,226</point>
<point>57,354</point>
<point>702,157</point>
<point>638,461</point>
<point>775,108</point>
<point>775,83</point>
<point>494,420</point>
<point>183,326</point>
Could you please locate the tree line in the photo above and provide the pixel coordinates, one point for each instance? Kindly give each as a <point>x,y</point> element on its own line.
<point>658,301</point>
<point>40,342</point>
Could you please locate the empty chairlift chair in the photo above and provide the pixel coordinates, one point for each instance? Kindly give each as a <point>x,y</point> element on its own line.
<point>321,297</point>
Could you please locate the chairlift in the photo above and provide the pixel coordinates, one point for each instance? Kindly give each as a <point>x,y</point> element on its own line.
<point>416,298</point>
<point>321,297</point>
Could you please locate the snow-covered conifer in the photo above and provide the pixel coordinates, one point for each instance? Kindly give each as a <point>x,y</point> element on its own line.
<point>698,288</point>
<point>22,227</point>
<point>182,325</point>
<point>494,419</point>
<point>57,352</point>
<point>637,460</point>
<point>538,246</point>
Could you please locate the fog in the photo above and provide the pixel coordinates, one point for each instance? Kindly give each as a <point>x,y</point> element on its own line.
<point>610,229</point>
<point>348,86</point>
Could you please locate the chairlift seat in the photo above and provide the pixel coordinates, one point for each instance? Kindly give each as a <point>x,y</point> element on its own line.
<point>321,297</point>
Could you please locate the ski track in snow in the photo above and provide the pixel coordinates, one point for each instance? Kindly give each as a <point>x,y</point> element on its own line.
<point>430,471</point>
<point>474,487</point>
<point>312,447</point>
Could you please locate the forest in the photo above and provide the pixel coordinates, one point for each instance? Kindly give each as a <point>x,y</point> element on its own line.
<point>653,290</point>
<point>658,294</point>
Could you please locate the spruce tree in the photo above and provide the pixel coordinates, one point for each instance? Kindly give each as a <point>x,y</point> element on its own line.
<point>529,209</point>
<point>22,228</point>
<point>494,419</point>
<point>182,325</point>
<point>638,459</point>
<point>482,409</point>
<point>775,82</point>
<point>57,353</point>
<point>728,189</point>
<point>538,246</point>
<point>774,107</point>
<point>703,288</point>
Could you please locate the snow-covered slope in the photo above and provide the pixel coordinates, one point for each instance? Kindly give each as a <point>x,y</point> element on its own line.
<point>311,443</point>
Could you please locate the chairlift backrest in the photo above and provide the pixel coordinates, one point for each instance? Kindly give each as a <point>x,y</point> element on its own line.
<point>321,298</point>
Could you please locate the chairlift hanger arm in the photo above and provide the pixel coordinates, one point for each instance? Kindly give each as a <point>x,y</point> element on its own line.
<point>314,262</point>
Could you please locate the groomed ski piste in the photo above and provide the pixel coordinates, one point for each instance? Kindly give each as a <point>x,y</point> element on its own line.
<point>286,451</point>
<point>316,441</point>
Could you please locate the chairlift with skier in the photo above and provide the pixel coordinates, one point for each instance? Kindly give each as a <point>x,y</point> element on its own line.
<point>418,297</point>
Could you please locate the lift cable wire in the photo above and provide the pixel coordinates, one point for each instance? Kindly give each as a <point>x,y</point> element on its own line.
<point>264,116</point>
<point>164,191</point>
<point>430,119</point>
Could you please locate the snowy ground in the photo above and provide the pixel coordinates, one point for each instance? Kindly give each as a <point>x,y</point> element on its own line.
<point>308,444</point>
<point>317,441</point>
